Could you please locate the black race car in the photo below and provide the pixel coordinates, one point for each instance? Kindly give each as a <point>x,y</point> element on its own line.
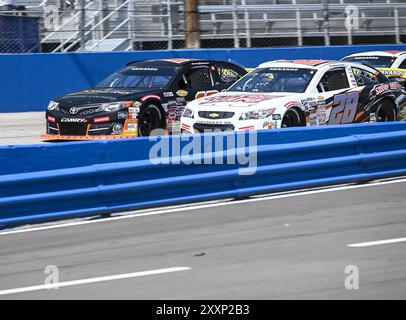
<point>139,98</point>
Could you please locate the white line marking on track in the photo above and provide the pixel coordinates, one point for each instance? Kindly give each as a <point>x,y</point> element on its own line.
<point>93,280</point>
<point>376,243</point>
<point>210,204</point>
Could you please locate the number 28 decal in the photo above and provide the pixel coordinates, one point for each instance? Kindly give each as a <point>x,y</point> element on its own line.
<point>344,108</point>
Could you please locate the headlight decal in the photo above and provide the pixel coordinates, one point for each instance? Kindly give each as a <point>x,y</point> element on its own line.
<point>188,113</point>
<point>257,114</point>
<point>53,106</point>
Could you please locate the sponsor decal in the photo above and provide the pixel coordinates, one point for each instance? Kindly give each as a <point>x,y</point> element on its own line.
<point>269,125</point>
<point>320,98</point>
<point>182,93</point>
<point>168,94</point>
<point>372,117</point>
<point>249,99</point>
<point>101,119</point>
<point>144,69</point>
<point>51,119</point>
<point>277,116</point>
<point>137,104</point>
<point>122,115</point>
<point>392,73</point>
<point>174,112</point>
<point>73,120</point>
<point>74,110</point>
<point>384,87</point>
<point>213,122</point>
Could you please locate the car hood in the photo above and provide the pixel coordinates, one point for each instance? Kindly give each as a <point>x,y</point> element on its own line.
<point>102,95</point>
<point>241,101</point>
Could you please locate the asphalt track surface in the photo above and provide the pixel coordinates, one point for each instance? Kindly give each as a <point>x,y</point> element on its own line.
<point>21,128</point>
<point>280,248</point>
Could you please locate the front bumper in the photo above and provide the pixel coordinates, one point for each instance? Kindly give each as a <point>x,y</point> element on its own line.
<point>189,125</point>
<point>55,137</point>
<point>92,128</point>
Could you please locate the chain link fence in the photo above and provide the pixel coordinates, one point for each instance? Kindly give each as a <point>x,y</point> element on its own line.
<point>120,25</point>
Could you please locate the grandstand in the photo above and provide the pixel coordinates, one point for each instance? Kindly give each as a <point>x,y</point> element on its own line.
<point>159,24</point>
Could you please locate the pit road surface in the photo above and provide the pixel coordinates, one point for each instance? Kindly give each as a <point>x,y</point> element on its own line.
<point>286,248</point>
<point>21,128</point>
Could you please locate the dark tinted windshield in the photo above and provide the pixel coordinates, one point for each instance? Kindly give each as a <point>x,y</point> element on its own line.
<point>275,79</point>
<point>140,78</point>
<point>373,61</point>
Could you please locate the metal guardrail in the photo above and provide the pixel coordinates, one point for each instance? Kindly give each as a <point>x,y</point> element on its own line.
<point>113,181</point>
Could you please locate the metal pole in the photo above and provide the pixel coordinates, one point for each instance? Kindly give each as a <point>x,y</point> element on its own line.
<point>299,28</point>
<point>397,28</point>
<point>235,24</point>
<point>350,36</point>
<point>170,31</point>
<point>105,12</point>
<point>326,23</point>
<point>82,25</point>
<point>192,28</point>
<point>131,25</point>
<point>247,25</point>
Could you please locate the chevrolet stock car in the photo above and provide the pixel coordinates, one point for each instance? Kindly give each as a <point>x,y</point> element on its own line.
<point>392,63</point>
<point>299,93</point>
<point>137,99</point>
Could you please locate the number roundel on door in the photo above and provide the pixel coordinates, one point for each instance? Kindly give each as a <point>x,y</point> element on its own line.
<point>344,108</point>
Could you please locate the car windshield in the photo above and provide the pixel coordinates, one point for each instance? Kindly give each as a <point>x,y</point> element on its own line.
<point>139,78</point>
<point>275,79</point>
<point>373,61</point>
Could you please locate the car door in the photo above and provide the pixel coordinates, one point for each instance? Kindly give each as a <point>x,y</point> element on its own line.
<point>339,106</point>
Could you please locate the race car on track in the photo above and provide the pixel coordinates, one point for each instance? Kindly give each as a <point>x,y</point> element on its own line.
<point>391,63</point>
<point>298,93</point>
<point>137,99</point>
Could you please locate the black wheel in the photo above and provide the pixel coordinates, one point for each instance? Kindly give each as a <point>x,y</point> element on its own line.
<point>292,118</point>
<point>385,112</point>
<point>150,119</point>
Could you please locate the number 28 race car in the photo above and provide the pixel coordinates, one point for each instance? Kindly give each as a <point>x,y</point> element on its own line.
<point>137,99</point>
<point>299,93</point>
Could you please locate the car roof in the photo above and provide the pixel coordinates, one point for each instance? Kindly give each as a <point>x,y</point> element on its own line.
<point>385,53</point>
<point>304,64</point>
<point>175,62</point>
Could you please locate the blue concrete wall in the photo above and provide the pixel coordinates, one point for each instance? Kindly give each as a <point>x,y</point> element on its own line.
<point>29,81</point>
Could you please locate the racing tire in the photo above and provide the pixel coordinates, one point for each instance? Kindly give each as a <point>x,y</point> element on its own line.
<point>385,112</point>
<point>150,119</point>
<point>292,118</point>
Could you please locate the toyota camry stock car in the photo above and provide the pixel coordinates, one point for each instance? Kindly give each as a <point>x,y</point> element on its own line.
<point>392,63</point>
<point>298,93</point>
<point>137,99</point>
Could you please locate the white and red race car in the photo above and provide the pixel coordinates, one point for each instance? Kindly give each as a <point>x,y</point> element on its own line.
<point>299,93</point>
<point>392,63</point>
